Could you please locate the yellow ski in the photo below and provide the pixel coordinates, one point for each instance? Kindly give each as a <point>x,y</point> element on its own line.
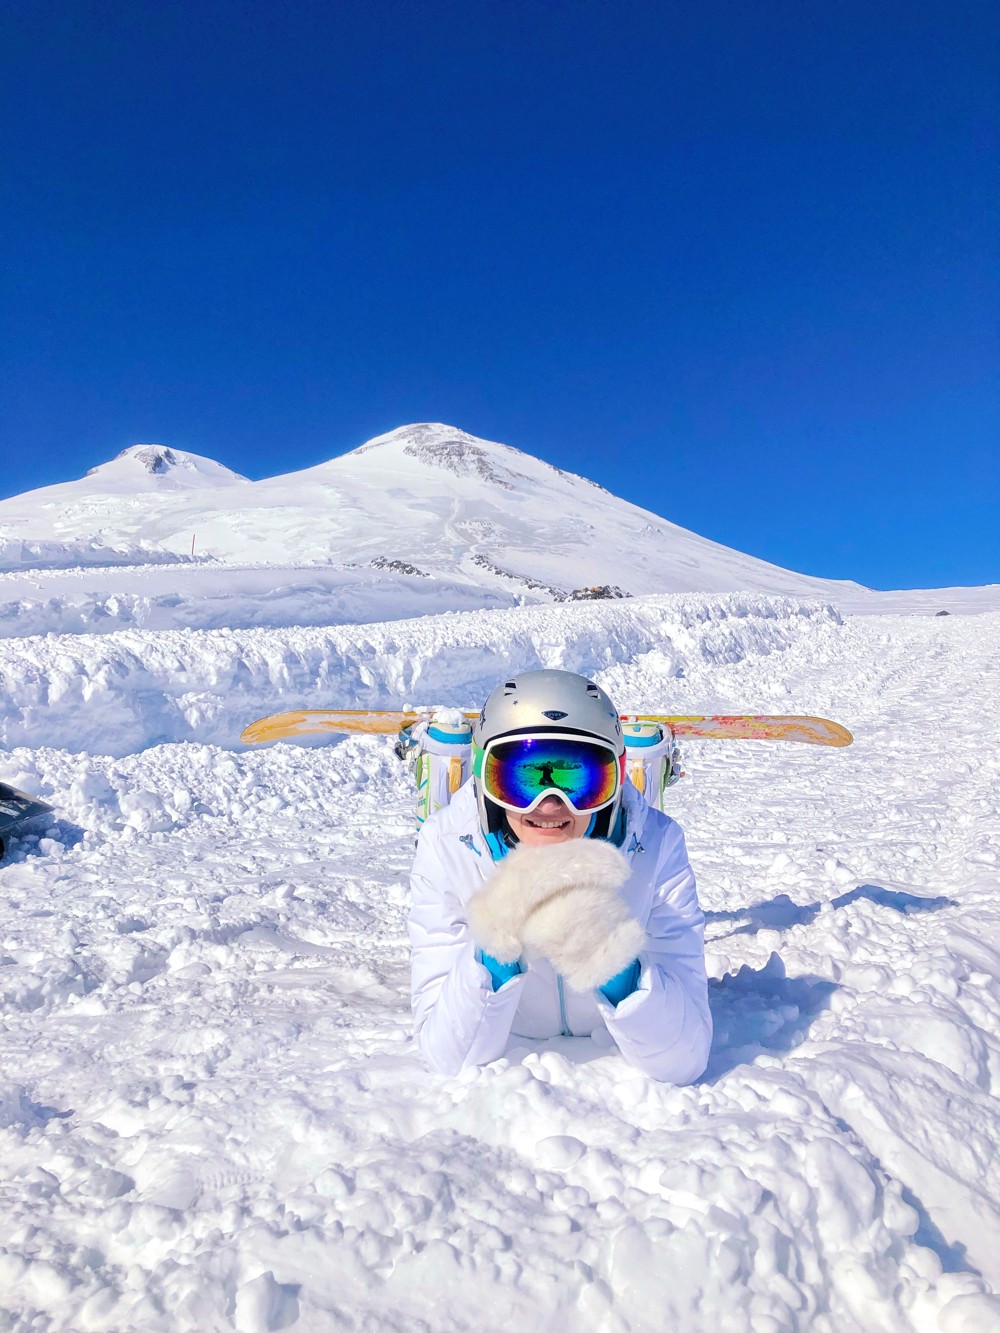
<point>752,727</point>
<point>749,727</point>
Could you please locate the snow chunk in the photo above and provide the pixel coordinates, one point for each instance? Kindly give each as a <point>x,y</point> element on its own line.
<point>264,1304</point>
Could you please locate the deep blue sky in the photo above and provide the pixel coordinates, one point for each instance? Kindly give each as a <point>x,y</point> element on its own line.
<point>738,262</point>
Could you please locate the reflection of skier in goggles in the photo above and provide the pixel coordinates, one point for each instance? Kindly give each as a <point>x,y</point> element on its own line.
<point>545,778</point>
<point>550,899</point>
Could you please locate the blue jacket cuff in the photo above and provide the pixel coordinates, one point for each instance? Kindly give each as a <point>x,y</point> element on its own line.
<point>500,972</point>
<point>622,983</point>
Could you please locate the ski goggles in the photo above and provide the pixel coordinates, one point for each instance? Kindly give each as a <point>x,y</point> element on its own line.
<point>519,771</point>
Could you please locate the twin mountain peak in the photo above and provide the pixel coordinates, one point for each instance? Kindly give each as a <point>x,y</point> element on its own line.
<point>424,502</point>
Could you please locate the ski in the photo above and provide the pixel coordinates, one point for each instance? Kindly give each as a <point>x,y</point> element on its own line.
<point>752,727</point>
<point>749,727</point>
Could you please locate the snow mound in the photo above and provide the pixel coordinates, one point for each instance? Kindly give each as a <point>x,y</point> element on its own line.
<point>17,554</point>
<point>121,692</point>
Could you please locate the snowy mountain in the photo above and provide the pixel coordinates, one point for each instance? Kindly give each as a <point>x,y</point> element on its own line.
<point>422,501</point>
<point>110,516</point>
<point>425,519</point>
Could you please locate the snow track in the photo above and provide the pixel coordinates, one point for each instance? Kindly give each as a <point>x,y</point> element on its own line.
<point>210,1113</point>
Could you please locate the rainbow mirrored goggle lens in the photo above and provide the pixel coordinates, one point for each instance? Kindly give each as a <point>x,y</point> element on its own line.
<point>518,772</point>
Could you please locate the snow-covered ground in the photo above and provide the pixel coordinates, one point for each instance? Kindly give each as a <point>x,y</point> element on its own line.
<point>79,600</point>
<point>211,1116</point>
<point>212,595</point>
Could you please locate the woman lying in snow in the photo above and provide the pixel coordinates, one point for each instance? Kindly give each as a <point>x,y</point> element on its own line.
<point>550,899</point>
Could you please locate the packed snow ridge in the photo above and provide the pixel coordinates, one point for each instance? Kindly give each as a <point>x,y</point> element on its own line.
<point>120,693</point>
<point>17,555</point>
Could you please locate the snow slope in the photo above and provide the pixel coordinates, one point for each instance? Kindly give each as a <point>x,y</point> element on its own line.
<point>427,497</point>
<point>207,596</point>
<point>425,519</point>
<point>211,1116</point>
<point>114,511</point>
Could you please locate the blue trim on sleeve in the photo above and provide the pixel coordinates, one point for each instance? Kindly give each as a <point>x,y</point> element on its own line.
<point>624,983</point>
<point>500,972</point>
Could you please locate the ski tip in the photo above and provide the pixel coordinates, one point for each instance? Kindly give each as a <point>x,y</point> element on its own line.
<point>252,735</point>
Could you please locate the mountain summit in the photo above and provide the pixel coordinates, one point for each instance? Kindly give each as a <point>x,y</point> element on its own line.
<point>425,501</point>
<point>176,467</point>
<point>459,453</point>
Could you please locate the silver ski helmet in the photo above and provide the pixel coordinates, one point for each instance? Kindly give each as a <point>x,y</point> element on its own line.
<point>550,702</point>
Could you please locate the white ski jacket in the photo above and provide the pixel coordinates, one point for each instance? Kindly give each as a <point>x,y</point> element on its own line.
<point>664,1027</point>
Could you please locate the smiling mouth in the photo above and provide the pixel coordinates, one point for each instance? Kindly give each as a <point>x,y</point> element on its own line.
<point>535,821</point>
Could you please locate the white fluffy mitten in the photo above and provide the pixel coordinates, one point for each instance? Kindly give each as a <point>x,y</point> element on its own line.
<point>563,902</point>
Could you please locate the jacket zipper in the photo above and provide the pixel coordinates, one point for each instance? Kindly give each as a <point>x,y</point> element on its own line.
<point>562,1007</point>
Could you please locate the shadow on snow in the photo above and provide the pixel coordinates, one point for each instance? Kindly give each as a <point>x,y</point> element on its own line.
<point>759,1011</point>
<point>21,844</point>
<point>780,913</point>
<point>763,1011</point>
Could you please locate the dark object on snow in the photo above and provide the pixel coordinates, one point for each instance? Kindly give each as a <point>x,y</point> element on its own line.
<point>17,809</point>
<point>396,566</point>
<point>604,591</point>
<point>942,613</point>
